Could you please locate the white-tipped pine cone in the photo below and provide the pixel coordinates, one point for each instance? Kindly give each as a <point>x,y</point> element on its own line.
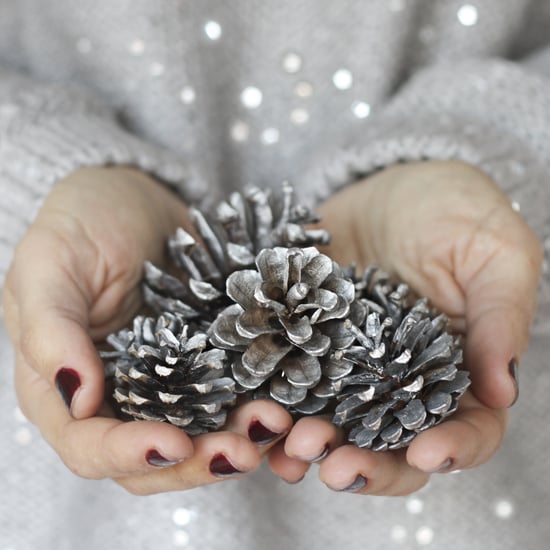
<point>163,371</point>
<point>405,377</point>
<point>252,307</point>
<point>225,241</point>
<point>288,315</point>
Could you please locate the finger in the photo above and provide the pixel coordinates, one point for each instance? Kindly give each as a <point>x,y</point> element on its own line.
<point>469,438</point>
<point>136,453</point>
<point>312,439</point>
<point>500,306</point>
<point>53,325</point>
<point>263,422</point>
<point>354,470</point>
<point>291,470</point>
<point>217,456</point>
<point>97,447</point>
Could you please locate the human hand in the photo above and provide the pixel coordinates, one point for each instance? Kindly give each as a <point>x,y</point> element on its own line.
<point>447,230</point>
<point>76,278</point>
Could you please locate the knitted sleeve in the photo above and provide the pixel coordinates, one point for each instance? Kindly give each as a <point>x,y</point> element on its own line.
<point>491,113</point>
<point>48,130</point>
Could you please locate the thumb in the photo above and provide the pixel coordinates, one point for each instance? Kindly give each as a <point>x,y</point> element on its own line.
<point>51,329</point>
<point>500,306</point>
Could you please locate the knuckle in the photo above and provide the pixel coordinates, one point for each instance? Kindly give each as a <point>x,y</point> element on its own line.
<point>31,343</point>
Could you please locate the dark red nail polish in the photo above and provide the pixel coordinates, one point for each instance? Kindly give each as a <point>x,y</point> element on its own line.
<point>259,434</point>
<point>154,458</point>
<point>359,482</point>
<point>67,381</point>
<point>221,467</point>
<point>513,370</point>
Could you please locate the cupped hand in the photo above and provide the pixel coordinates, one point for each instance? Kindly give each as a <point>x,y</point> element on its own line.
<point>74,279</point>
<point>448,231</point>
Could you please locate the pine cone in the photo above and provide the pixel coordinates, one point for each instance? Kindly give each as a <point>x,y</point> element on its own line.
<point>165,371</point>
<point>288,314</point>
<point>230,239</point>
<point>405,377</point>
<point>254,308</point>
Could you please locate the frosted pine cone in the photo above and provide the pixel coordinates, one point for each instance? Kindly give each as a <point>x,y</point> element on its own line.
<point>254,308</point>
<point>227,240</point>
<point>163,372</point>
<point>405,377</point>
<point>288,315</point>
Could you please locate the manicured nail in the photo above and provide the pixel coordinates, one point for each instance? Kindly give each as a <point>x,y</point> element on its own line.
<point>259,434</point>
<point>359,482</point>
<point>154,458</point>
<point>293,482</point>
<point>323,454</point>
<point>442,467</point>
<point>221,467</point>
<point>513,370</point>
<point>67,381</point>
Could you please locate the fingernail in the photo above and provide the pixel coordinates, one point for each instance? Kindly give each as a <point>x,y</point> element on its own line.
<point>67,381</point>
<point>259,434</point>
<point>318,458</point>
<point>323,454</point>
<point>293,482</point>
<point>442,467</point>
<point>221,467</point>
<point>513,370</point>
<point>154,458</point>
<point>359,482</point>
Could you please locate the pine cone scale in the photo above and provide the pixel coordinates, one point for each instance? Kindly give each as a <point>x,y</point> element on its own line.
<point>264,353</point>
<point>311,404</point>
<point>284,392</point>
<point>256,321</point>
<point>326,388</point>
<point>334,368</point>
<point>298,329</point>
<point>439,402</point>
<point>316,270</point>
<point>241,285</point>
<point>301,369</point>
<point>318,345</point>
<point>239,256</point>
<point>413,415</point>
<point>244,378</point>
<point>223,331</point>
<point>273,266</point>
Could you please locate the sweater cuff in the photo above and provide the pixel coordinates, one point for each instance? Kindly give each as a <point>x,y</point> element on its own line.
<point>37,151</point>
<point>457,113</point>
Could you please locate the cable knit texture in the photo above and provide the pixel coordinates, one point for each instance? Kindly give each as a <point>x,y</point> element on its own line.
<point>208,96</point>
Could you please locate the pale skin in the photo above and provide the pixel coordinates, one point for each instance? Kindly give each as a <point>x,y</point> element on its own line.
<point>442,226</point>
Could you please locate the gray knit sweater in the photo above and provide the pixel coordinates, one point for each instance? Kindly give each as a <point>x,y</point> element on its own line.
<point>210,95</point>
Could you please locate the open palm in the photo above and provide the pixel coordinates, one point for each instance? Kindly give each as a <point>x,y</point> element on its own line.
<point>447,230</point>
<point>74,279</point>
